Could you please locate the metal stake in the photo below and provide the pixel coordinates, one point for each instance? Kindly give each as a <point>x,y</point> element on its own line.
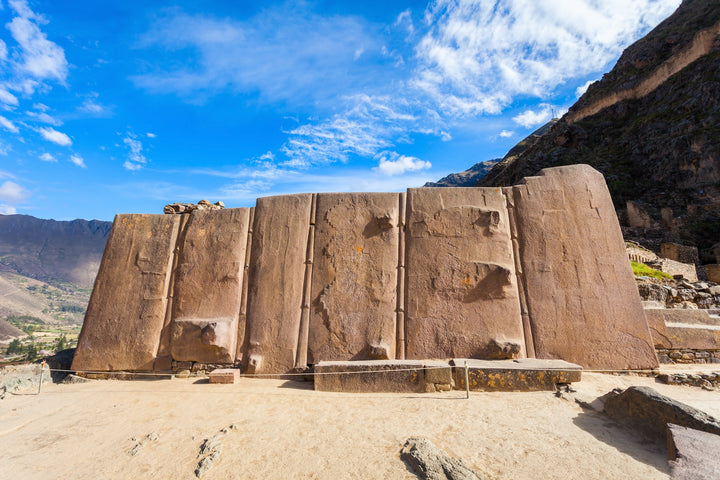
<point>467,381</point>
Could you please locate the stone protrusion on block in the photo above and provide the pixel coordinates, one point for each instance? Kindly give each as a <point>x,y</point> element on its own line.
<point>225,375</point>
<point>370,376</point>
<point>582,300</point>
<point>126,312</point>
<point>208,286</point>
<point>242,318</point>
<point>275,293</point>
<point>461,289</point>
<point>524,375</point>
<point>354,277</point>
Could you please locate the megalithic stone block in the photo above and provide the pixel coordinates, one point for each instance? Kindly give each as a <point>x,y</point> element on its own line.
<point>462,293</point>
<point>126,312</point>
<point>275,293</point>
<point>583,303</point>
<point>354,277</point>
<point>208,286</point>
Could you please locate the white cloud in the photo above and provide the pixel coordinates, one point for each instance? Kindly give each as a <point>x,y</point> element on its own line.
<point>94,108</point>
<point>267,156</point>
<point>8,98</point>
<point>12,193</point>
<point>46,157</point>
<point>150,135</point>
<point>8,125</point>
<point>41,58</point>
<point>478,55</point>
<point>54,136</point>
<point>7,209</point>
<point>282,54</point>
<point>392,163</point>
<point>532,118</point>
<point>136,159</point>
<point>77,160</point>
<point>580,91</point>
<point>506,134</point>
<point>3,51</point>
<point>45,118</point>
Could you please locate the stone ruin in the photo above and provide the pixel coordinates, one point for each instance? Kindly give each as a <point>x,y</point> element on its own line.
<point>535,270</point>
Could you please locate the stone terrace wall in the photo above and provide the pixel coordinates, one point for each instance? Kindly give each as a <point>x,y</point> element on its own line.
<point>481,273</point>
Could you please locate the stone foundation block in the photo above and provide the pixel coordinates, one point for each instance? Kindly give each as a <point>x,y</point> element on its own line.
<point>370,376</point>
<point>225,375</point>
<point>522,375</point>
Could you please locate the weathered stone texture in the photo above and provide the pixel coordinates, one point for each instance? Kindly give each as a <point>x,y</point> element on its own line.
<point>688,329</point>
<point>370,376</point>
<point>277,271</point>
<point>208,286</point>
<point>582,299</point>
<point>225,375</point>
<point>462,294</point>
<point>524,375</point>
<point>693,454</point>
<point>354,277</point>
<point>432,463</point>
<point>126,312</point>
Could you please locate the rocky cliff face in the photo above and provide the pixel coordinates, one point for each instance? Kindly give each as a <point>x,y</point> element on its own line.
<point>52,251</point>
<point>652,127</point>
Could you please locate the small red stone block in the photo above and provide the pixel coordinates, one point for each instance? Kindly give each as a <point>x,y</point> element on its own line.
<point>225,375</point>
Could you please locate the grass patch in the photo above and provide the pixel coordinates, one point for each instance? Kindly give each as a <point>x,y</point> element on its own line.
<point>640,269</point>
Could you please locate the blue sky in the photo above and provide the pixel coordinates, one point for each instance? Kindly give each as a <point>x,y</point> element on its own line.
<point>121,106</point>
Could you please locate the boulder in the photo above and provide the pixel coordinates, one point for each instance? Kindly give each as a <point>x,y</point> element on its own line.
<point>462,292</point>
<point>354,278</point>
<point>126,313</point>
<point>277,273</point>
<point>693,454</point>
<point>431,463</point>
<point>582,300</point>
<point>208,286</point>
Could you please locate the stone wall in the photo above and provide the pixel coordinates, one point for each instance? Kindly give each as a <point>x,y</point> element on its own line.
<point>482,273</point>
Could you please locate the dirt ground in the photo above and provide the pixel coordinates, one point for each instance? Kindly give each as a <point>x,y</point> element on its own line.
<point>286,430</point>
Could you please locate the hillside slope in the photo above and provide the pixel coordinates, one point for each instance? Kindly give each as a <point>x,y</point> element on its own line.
<point>52,251</point>
<point>651,126</point>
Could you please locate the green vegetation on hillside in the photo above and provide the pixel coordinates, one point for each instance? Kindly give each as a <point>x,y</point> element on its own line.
<point>642,270</point>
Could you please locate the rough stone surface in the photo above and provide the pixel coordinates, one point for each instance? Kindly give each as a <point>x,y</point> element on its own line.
<point>690,329</point>
<point>649,412</point>
<point>693,454</point>
<point>275,293</point>
<point>582,300</point>
<point>462,292</point>
<point>386,376</point>
<point>225,375</point>
<point>523,375</point>
<point>680,253</point>
<point>431,463</point>
<point>126,312</point>
<point>712,271</point>
<point>208,286</point>
<point>354,279</point>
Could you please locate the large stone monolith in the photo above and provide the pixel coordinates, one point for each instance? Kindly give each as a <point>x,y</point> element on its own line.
<point>126,312</point>
<point>582,299</point>
<point>208,286</point>
<point>276,273</point>
<point>462,293</point>
<point>354,279</point>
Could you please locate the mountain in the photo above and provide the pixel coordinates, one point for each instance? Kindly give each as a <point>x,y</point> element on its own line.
<point>472,175</point>
<point>652,126</point>
<point>52,251</point>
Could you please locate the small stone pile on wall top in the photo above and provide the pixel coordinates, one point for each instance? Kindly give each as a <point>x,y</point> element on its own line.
<point>177,207</point>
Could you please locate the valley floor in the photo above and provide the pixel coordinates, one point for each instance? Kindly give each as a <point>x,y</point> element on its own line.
<point>287,430</point>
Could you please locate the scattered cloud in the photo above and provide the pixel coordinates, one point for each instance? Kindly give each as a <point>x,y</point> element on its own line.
<point>7,97</point>
<point>506,134</point>
<point>282,54</point>
<point>94,108</point>
<point>150,135</point>
<point>11,194</point>
<point>46,157</point>
<point>534,118</point>
<point>477,56</point>
<point>8,125</point>
<point>52,135</point>
<point>40,57</point>
<point>135,160</point>
<point>392,163</point>
<point>3,51</point>
<point>580,91</point>
<point>267,156</point>
<point>77,160</point>
<point>44,118</point>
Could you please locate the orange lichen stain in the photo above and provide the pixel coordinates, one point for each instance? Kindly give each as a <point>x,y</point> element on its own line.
<point>541,375</point>
<point>467,281</point>
<point>359,249</point>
